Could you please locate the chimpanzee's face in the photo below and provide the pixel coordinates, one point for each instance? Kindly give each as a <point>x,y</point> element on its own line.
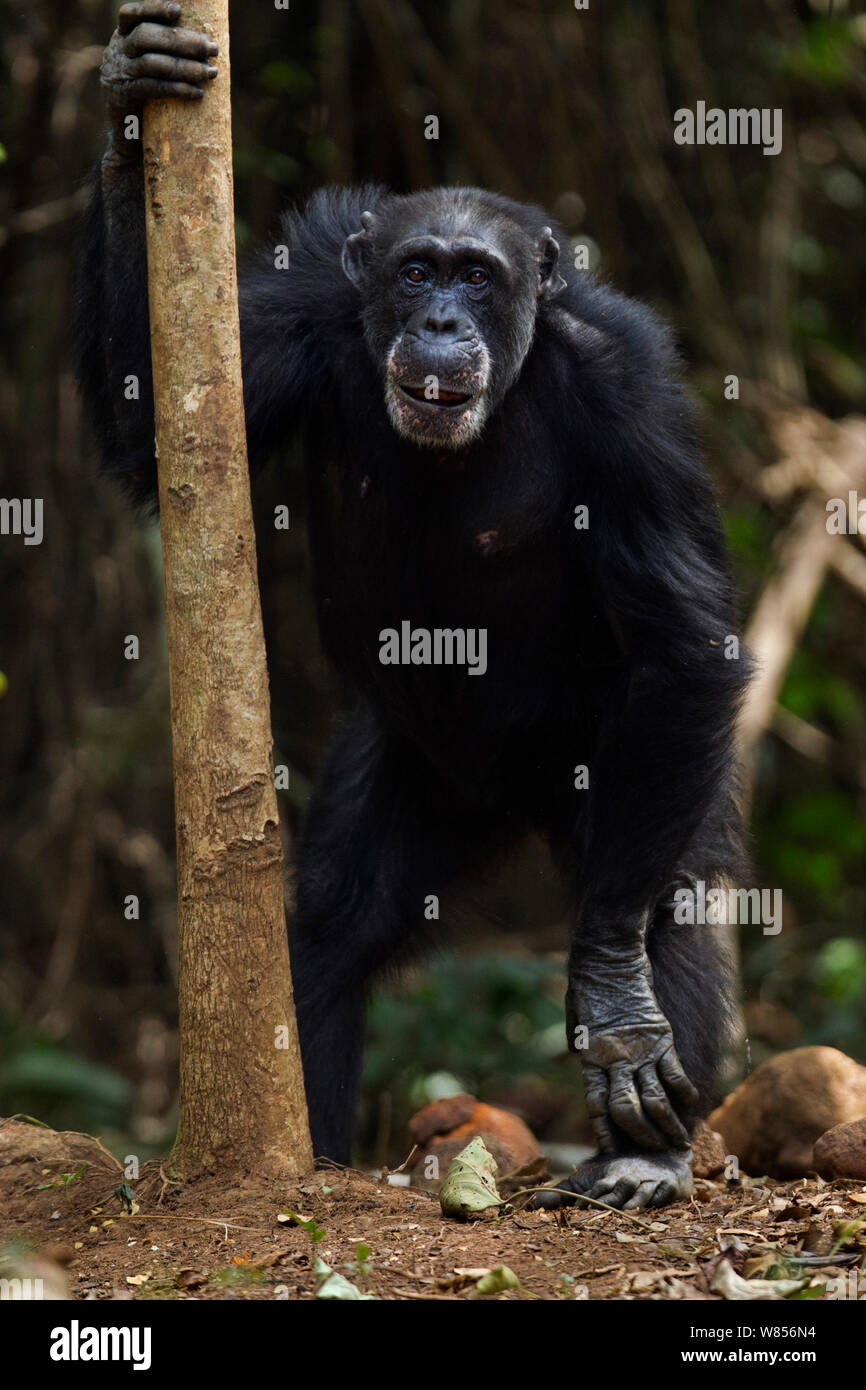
<point>450,299</point>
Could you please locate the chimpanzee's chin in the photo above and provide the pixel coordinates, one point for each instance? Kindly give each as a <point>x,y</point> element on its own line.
<point>453,428</point>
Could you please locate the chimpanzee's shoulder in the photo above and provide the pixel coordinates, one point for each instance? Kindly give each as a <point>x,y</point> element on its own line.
<point>630,327</point>
<point>330,215</point>
<point>298,276</point>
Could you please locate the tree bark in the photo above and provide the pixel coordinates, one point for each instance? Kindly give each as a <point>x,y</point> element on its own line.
<point>242,1104</point>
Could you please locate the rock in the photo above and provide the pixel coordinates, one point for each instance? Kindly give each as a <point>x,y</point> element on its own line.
<point>772,1120</point>
<point>841,1152</point>
<point>441,1117</point>
<point>709,1152</point>
<point>445,1127</point>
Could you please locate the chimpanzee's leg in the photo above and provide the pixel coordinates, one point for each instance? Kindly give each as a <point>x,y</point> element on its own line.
<point>380,840</point>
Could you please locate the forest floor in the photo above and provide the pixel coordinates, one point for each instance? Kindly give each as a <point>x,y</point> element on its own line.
<point>61,1220</point>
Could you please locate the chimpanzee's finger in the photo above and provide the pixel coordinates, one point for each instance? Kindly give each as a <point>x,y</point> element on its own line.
<point>657,1106</point>
<point>179,43</point>
<point>666,1191</point>
<point>624,1108</point>
<point>614,1194</point>
<point>595,1089</point>
<point>157,11</point>
<point>157,89</point>
<point>672,1074</point>
<point>172,69</point>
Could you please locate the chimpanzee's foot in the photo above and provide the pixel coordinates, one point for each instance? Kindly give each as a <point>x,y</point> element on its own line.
<point>628,1181</point>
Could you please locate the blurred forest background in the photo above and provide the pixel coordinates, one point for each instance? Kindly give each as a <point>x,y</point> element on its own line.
<point>759,263</point>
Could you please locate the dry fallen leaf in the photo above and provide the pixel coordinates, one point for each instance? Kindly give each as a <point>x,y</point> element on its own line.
<point>732,1286</point>
<point>675,1288</point>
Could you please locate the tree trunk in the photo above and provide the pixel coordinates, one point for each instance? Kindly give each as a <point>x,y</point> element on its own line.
<point>242,1103</point>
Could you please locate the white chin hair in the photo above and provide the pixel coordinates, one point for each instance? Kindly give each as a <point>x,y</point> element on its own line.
<point>432,429</point>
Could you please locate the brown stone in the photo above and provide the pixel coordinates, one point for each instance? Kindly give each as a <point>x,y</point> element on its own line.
<point>841,1152</point>
<point>441,1116</point>
<point>445,1127</point>
<point>709,1152</point>
<point>772,1120</point>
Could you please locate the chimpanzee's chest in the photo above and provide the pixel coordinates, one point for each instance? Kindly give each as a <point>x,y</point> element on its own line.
<point>447,608</point>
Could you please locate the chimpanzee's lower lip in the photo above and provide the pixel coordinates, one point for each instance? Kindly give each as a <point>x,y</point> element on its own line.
<point>445,400</point>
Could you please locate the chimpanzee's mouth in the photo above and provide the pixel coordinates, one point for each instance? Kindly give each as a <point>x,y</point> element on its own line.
<point>443,400</point>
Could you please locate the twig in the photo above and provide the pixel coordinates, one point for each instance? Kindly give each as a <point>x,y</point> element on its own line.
<point>406,1161</point>
<point>202,1220</point>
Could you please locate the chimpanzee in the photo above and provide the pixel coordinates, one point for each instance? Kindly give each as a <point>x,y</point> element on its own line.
<point>521,578</point>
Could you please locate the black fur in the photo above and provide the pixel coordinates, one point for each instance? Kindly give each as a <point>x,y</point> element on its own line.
<point>605,645</point>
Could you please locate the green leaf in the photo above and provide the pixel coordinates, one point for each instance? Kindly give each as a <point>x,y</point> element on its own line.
<point>336,1286</point>
<point>498,1280</point>
<point>470,1183</point>
<point>315,1232</point>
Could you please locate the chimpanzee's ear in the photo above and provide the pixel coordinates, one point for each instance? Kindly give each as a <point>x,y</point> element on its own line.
<point>550,282</point>
<point>357,249</point>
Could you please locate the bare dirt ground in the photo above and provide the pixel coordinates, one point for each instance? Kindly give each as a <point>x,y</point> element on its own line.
<point>61,1220</point>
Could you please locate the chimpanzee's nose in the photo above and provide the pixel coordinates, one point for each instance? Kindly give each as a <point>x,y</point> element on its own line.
<point>446,321</point>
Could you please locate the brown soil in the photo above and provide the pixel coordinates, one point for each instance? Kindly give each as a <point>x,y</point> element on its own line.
<point>210,1239</point>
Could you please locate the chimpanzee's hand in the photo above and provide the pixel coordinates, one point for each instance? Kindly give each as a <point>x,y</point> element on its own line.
<point>631,1071</point>
<point>630,1076</point>
<point>147,59</point>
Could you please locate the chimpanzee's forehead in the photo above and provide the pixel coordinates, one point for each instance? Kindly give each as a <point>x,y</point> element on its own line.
<point>456,217</point>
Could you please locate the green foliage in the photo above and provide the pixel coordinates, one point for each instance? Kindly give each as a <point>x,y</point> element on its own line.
<point>64,1179</point>
<point>824,54</point>
<point>287,79</point>
<point>489,1019</point>
<point>125,1196</point>
<point>240,1276</point>
<point>40,1077</point>
<point>484,1024</point>
<point>259,161</point>
<point>360,1266</point>
<point>842,970</point>
<point>313,1230</point>
<point>815,692</point>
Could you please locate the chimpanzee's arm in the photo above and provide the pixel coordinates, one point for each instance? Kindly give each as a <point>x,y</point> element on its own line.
<point>280,305</point>
<point>663,761</point>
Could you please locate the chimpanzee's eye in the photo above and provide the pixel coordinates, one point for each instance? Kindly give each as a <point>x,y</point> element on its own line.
<point>476,277</point>
<point>414,274</point>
